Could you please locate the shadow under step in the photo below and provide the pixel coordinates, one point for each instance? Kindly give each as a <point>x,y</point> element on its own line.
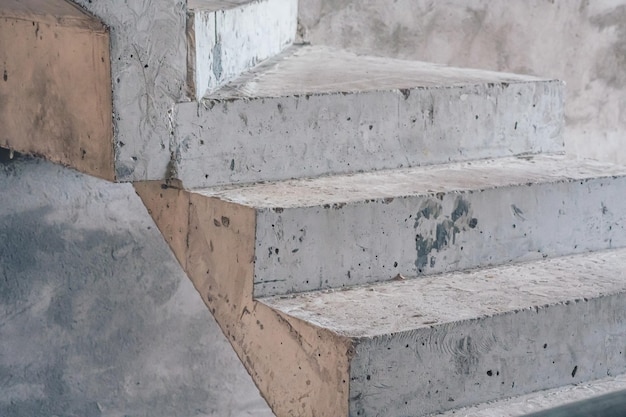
<point>605,397</point>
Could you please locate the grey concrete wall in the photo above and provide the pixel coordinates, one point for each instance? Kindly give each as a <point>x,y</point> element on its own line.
<point>580,41</point>
<point>96,316</point>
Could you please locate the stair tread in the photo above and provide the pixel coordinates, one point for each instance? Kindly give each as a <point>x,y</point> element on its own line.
<point>402,305</point>
<point>322,70</point>
<point>541,400</point>
<point>426,180</point>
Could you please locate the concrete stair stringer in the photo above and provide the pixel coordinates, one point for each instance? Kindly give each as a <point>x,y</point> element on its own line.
<point>300,369</point>
<point>55,85</point>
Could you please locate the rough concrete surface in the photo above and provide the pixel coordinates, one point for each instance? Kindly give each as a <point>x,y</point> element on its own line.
<point>372,226</point>
<point>149,71</point>
<point>543,400</point>
<point>582,42</point>
<point>96,316</point>
<point>319,111</point>
<point>225,40</point>
<point>427,345</point>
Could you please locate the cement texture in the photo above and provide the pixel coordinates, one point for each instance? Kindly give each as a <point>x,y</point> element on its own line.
<point>96,316</point>
<point>582,42</point>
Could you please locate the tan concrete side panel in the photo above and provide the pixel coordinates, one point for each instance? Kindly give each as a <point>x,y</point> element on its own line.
<point>300,370</point>
<point>55,88</point>
<point>169,207</point>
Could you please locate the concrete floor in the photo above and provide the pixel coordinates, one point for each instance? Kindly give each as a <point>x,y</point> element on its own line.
<point>96,316</point>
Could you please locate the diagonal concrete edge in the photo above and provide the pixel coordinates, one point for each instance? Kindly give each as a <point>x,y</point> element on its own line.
<point>300,369</point>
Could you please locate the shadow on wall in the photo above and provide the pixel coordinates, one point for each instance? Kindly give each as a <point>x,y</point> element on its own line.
<point>582,42</point>
<point>96,317</point>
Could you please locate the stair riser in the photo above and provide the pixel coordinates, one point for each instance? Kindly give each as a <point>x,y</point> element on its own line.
<point>302,136</point>
<point>303,249</point>
<point>224,43</point>
<point>447,366</point>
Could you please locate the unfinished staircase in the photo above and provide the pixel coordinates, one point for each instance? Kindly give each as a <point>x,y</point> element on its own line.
<point>379,237</point>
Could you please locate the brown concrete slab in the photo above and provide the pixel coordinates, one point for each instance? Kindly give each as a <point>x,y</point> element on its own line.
<point>55,85</point>
<point>300,369</point>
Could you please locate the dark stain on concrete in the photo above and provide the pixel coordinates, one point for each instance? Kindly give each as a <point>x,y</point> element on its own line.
<point>465,356</point>
<point>461,208</point>
<point>54,117</point>
<point>445,229</point>
<point>517,212</point>
<point>217,60</point>
<point>18,231</point>
<point>88,319</point>
<point>123,170</point>
<point>430,209</point>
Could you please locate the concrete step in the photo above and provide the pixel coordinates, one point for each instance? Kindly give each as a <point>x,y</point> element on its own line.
<point>226,38</point>
<point>427,345</point>
<point>545,401</point>
<point>348,230</point>
<point>317,111</point>
<point>55,85</point>
<point>413,346</point>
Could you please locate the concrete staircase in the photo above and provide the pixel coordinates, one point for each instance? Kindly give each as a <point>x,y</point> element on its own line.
<point>381,237</point>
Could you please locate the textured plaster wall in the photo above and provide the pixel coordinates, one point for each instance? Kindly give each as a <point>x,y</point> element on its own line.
<point>96,316</point>
<point>149,67</point>
<point>580,41</point>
